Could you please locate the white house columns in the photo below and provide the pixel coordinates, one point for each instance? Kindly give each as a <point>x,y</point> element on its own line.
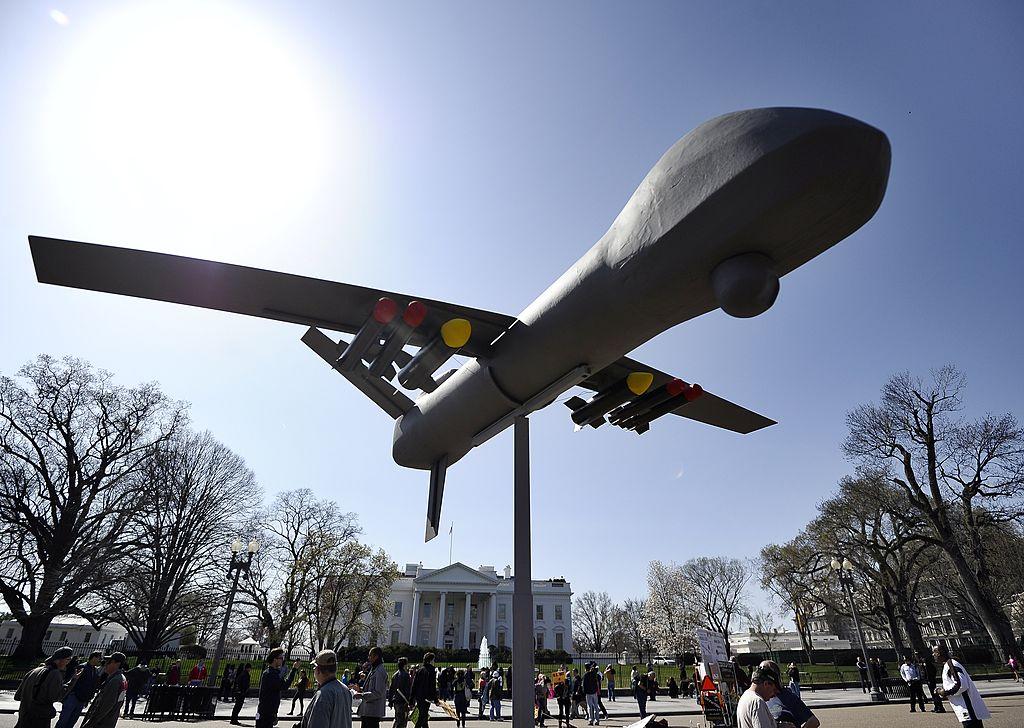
<point>442,609</point>
<point>480,606</point>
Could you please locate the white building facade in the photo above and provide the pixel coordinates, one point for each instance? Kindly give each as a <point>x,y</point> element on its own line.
<point>745,643</point>
<point>456,606</point>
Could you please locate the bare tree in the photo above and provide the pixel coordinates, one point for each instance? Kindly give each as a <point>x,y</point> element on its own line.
<point>350,591</point>
<point>197,496</point>
<point>766,627</point>
<point>959,475</point>
<point>71,444</point>
<point>593,621</point>
<point>630,619</point>
<point>293,533</point>
<point>719,589</point>
<point>789,589</point>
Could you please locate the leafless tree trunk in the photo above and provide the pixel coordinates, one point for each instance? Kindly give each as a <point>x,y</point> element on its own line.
<point>197,495</point>
<point>71,444</point>
<point>719,588</point>
<point>959,476</point>
<point>593,617</point>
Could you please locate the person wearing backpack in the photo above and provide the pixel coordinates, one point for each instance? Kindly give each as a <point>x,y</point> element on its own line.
<point>40,689</point>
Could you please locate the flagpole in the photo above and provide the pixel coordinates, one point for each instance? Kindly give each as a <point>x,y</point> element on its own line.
<point>451,537</point>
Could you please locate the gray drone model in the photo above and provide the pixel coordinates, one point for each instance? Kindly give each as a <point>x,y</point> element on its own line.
<point>733,206</point>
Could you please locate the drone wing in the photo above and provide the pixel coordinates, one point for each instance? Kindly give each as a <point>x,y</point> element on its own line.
<point>239,289</point>
<point>707,408</point>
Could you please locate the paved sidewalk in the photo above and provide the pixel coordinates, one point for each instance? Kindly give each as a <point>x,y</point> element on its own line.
<point>623,708</point>
<point>1007,712</point>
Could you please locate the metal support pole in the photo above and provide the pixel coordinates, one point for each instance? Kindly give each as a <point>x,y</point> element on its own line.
<point>212,678</point>
<point>522,594</point>
<point>876,695</point>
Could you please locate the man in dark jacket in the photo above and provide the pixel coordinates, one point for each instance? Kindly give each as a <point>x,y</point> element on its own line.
<point>40,689</point>
<point>106,708</point>
<point>272,686</point>
<point>81,687</point>
<point>424,689</point>
<point>137,678</point>
<point>399,693</point>
<point>241,687</point>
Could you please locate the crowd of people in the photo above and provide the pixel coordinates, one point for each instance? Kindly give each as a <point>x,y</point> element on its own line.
<point>102,689</point>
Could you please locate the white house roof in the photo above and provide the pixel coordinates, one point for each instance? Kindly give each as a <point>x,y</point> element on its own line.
<point>456,574</point>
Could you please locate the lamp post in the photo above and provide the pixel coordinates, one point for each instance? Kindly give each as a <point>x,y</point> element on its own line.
<point>844,569</point>
<point>239,562</point>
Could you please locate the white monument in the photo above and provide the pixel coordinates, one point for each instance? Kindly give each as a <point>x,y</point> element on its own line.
<point>484,660</point>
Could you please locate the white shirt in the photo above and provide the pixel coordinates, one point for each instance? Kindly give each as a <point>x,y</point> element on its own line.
<point>909,672</point>
<point>752,712</point>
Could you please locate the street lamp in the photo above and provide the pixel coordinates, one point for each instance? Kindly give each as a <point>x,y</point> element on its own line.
<point>844,569</point>
<point>239,562</point>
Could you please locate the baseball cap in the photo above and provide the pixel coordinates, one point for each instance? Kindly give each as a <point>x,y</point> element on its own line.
<point>63,653</point>
<point>117,657</point>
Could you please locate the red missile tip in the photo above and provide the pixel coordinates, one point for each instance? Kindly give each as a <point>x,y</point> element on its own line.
<point>692,392</point>
<point>675,387</point>
<point>414,314</point>
<point>384,310</point>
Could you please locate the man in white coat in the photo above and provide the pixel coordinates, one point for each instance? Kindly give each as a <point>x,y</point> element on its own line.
<point>960,690</point>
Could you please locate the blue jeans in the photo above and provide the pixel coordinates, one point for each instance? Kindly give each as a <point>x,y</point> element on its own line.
<point>593,708</point>
<point>611,691</point>
<point>641,701</point>
<point>495,710</point>
<point>70,709</point>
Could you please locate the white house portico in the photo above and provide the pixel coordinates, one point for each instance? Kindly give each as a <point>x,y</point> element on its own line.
<point>455,606</point>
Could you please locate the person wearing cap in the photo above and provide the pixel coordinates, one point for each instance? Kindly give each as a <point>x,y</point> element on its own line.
<point>374,692</point>
<point>40,689</point>
<point>786,704</point>
<point>79,691</point>
<point>106,708</point>
<point>331,704</point>
<point>752,708</point>
<point>272,686</point>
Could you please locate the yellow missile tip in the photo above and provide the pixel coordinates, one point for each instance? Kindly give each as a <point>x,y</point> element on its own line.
<point>456,332</point>
<point>639,382</point>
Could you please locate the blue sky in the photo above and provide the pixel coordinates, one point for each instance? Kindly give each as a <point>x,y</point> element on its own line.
<point>471,152</point>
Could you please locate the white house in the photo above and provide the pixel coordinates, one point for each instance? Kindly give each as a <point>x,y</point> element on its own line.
<point>73,631</point>
<point>455,606</point>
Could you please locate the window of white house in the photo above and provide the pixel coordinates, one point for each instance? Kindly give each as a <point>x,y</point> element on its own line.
<point>540,612</point>
<point>426,610</point>
<point>398,609</point>
<point>395,635</point>
<point>501,611</point>
<point>10,632</point>
<point>501,639</point>
<point>64,636</point>
<point>559,641</point>
<point>558,614</point>
<point>540,640</point>
<point>88,637</point>
<point>49,634</point>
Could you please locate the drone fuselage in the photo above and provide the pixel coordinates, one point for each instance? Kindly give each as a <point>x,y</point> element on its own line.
<point>734,205</point>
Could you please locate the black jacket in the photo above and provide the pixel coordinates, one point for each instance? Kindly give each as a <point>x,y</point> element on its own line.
<point>242,681</point>
<point>400,688</point>
<point>271,687</point>
<point>424,685</point>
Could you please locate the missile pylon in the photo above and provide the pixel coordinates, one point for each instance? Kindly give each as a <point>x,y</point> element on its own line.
<point>401,331</point>
<point>593,412</point>
<point>419,372</point>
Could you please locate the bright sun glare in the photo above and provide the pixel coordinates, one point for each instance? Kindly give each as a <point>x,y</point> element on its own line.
<point>184,110</point>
